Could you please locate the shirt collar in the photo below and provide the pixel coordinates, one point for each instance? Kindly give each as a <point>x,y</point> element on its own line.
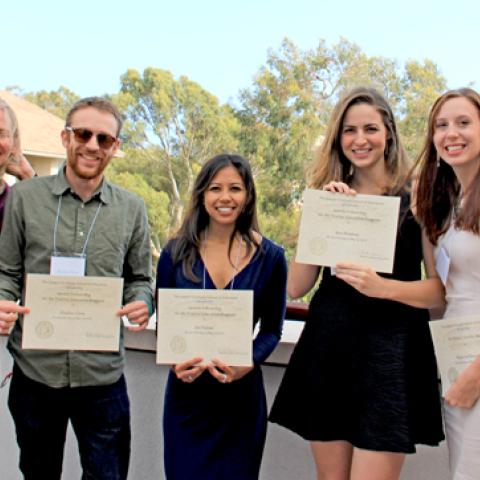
<point>61,185</point>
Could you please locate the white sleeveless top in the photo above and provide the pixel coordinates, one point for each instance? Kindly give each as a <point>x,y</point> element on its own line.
<point>463,280</point>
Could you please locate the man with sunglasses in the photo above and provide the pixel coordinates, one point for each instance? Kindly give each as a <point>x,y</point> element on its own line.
<point>103,230</point>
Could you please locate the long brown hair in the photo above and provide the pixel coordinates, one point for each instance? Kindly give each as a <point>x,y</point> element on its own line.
<point>438,188</point>
<point>187,241</point>
<point>331,164</point>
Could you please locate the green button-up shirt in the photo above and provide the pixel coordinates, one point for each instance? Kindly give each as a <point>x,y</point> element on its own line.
<point>119,246</point>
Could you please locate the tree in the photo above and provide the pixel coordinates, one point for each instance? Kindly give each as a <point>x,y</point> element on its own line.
<point>285,112</point>
<point>178,125</point>
<point>57,102</point>
<point>422,85</point>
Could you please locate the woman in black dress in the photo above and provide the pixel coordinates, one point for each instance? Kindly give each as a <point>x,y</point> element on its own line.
<point>361,385</point>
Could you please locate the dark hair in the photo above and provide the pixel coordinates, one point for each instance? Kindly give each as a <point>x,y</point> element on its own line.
<point>188,238</point>
<point>438,188</point>
<point>99,103</point>
<point>330,163</point>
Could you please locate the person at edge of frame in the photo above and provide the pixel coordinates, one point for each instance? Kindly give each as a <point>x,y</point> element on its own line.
<point>95,222</point>
<point>448,206</point>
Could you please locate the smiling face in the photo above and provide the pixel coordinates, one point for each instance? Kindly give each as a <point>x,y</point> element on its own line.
<point>225,197</point>
<point>456,134</point>
<point>87,160</point>
<point>363,136</point>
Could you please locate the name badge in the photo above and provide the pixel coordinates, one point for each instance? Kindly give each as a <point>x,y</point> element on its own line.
<point>442,264</point>
<point>67,266</point>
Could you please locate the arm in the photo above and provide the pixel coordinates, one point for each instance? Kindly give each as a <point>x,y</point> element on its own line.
<point>465,392</point>
<point>19,167</point>
<point>11,265</point>
<point>272,313</point>
<point>12,246</point>
<point>428,293</point>
<point>137,291</point>
<point>165,270</point>
<point>301,278</point>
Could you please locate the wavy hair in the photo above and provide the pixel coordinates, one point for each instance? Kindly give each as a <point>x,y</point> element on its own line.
<point>331,164</point>
<point>188,238</point>
<point>438,188</point>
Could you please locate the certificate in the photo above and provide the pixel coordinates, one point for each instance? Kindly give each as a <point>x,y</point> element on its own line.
<point>457,344</point>
<point>72,313</point>
<point>343,228</point>
<point>205,323</point>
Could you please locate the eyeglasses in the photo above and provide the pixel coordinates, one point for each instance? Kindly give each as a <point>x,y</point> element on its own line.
<point>83,135</point>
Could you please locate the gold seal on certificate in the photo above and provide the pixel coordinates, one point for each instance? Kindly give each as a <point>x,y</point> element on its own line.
<point>343,228</point>
<point>457,344</point>
<point>72,313</point>
<point>205,323</point>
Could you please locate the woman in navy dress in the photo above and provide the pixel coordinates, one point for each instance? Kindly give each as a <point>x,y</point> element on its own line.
<point>361,385</point>
<point>215,415</point>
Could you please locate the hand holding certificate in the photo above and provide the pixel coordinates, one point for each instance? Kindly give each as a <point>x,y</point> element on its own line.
<point>205,323</point>
<point>72,313</point>
<point>343,228</point>
<point>457,344</point>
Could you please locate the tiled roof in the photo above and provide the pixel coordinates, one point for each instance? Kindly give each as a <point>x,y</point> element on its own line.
<point>39,129</point>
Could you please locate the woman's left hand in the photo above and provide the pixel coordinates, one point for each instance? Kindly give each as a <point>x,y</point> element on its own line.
<point>465,392</point>
<point>226,373</point>
<point>362,278</point>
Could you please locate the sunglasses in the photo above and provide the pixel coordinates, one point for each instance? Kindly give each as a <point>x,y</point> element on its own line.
<point>83,135</point>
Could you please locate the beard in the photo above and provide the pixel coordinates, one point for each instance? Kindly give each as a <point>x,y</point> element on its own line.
<point>84,172</point>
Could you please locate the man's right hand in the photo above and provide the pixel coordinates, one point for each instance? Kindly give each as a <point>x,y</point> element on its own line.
<point>9,314</point>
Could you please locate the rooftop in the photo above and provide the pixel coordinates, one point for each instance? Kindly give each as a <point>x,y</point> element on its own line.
<point>40,129</point>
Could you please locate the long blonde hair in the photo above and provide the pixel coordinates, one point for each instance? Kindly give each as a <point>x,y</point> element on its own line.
<point>331,164</point>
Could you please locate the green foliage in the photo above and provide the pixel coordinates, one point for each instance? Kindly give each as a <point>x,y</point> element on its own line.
<point>173,126</point>
<point>422,84</point>
<point>156,202</point>
<point>285,112</point>
<point>57,102</point>
<point>178,124</point>
<point>282,227</point>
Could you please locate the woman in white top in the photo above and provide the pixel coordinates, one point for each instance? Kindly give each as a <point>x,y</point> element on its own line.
<point>448,205</point>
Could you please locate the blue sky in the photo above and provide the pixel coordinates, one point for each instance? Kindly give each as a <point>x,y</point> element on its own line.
<point>88,45</point>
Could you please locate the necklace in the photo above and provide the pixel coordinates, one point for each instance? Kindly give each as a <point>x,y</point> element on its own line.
<point>235,266</point>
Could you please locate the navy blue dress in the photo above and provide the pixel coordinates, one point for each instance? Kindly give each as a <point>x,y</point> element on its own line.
<point>215,431</point>
<point>364,369</point>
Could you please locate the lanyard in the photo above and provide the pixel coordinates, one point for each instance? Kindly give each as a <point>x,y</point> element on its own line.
<point>235,267</point>
<point>57,219</point>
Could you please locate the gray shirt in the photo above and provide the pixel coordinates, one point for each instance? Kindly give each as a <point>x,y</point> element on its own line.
<point>119,246</point>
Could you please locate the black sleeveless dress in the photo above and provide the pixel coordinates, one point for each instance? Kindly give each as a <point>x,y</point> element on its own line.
<point>364,369</point>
